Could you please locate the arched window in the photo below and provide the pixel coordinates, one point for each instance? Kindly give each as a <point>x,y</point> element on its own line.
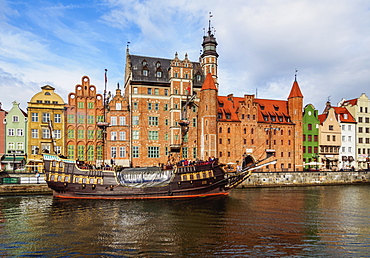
<point>220,130</point>
<point>228,130</point>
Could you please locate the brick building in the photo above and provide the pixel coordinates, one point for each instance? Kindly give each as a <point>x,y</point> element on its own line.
<point>226,127</point>
<point>84,140</point>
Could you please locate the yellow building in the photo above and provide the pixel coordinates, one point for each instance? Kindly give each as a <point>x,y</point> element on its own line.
<point>45,126</point>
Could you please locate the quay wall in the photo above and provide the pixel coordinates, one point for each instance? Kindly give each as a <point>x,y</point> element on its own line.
<point>270,179</point>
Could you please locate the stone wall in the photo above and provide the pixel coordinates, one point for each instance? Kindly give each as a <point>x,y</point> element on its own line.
<point>260,179</point>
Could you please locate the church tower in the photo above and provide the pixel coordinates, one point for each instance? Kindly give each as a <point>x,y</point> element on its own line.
<point>209,56</point>
<point>207,119</point>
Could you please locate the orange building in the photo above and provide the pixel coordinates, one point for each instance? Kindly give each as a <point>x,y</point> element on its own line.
<point>117,144</point>
<point>84,140</point>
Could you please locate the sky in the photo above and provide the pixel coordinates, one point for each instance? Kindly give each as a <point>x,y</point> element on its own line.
<point>261,44</point>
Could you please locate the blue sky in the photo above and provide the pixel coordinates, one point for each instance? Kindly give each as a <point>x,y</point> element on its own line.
<point>261,44</point>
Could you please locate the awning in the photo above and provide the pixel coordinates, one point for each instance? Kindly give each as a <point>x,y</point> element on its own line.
<point>10,159</point>
<point>344,158</point>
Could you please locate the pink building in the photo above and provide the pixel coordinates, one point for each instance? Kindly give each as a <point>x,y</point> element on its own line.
<point>2,131</point>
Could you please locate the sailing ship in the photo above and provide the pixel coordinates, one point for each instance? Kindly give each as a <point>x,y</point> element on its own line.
<point>73,179</point>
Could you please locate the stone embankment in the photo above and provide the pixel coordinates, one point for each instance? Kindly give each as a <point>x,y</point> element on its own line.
<point>270,179</point>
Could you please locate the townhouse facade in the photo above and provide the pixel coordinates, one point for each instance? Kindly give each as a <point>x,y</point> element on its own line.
<point>16,139</point>
<point>360,110</point>
<point>310,139</point>
<point>46,115</point>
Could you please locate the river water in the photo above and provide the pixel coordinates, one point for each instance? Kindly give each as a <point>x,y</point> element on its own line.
<point>323,221</point>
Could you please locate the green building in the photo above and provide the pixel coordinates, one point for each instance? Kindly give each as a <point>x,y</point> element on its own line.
<point>310,126</point>
<point>14,158</point>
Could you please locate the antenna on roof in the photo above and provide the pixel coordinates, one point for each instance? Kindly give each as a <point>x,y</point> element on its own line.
<point>328,98</point>
<point>209,23</point>
<point>256,92</point>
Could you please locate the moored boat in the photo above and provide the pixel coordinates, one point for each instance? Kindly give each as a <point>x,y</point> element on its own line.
<point>68,179</point>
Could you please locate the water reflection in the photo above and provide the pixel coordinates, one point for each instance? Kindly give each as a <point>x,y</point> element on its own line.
<point>296,222</point>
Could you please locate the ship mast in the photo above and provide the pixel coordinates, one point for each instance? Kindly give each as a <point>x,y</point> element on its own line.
<point>104,124</point>
<point>184,122</point>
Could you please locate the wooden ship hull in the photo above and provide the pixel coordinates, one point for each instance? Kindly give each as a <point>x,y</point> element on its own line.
<point>67,180</point>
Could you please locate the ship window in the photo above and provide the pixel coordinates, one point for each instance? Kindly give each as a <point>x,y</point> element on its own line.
<point>198,176</point>
<point>184,177</point>
<point>59,178</point>
<point>66,179</point>
<point>54,163</point>
<point>99,181</point>
<point>61,164</point>
<point>204,175</point>
<point>52,178</point>
<point>84,180</point>
<point>191,177</point>
<point>91,180</point>
<point>77,179</point>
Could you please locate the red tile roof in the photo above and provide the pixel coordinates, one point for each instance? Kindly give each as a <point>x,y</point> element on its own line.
<point>209,83</point>
<point>341,111</point>
<point>271,109</point>
<point>295,91</point>
<point>351,102</point>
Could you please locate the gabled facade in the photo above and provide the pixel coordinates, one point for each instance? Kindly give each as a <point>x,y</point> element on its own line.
<point>310,139</point>
<point>347,151</point>
<point>360,110</point>
<point>84,140</point>
<point>45,115</point>
<point>118,131</point>
<point>16,139</point>
<point>330,139</point>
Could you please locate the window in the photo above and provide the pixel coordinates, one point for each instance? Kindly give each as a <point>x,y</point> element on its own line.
<point>309,138</point>
<point>145,72</point>
<point>57,134</point>
<point>156,90</point>
<point>34,117</point>
<point>135,120</point>
<point>122,136</point>
<point>359,140</point>
<point>149,91</point>
<point>149,106</point>
<point>360,119</point>
<point>153,135</point>
<point>153,152</point>
<point>135,134</point>
<point>328,138</point>
<point>135,90</point>
<point>166,92</point>
<point>309,127</point>
<point>349,127</point>
<point>57,118</point>
<point>309,149</point>
<point>165,107</point>
<point>81,152</point>
<point>304,137</point>
<point>118,106</point>
<point>45,133</point>
<point>90,134</point>
<point>360,129</point>
<point>99,118</point>
<point>19,132</point>
<point>122,152</point>
<point>156,106</point>
<point>80,134</point>
<point>367,120</point>
<point>331,127</point>
<point>135,152</point>
<point>90,119</point>
<point>194,122</point>
<point>90,105</point>
<point>113,152</point>
<point>122,120</point>
<point>11,145</point>
<point>15,119</point>
<point>80,119</point>
<point>99,152</point>
<point>349,138</point>
<point>153,120</point>
<point>71,119</point>
<point>90,152</point>
<point>80,105</point>
<point>113,120</point>
<point>71,134</point>
<point>34,149</point>
<point>34,133</point>
<point>113,136</point>
<point>45,117</point>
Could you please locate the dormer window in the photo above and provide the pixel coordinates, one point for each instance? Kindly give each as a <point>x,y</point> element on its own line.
<point>198,77</point>
<point>219,116</point>
<point>221,104</point>
<point>265,118</point>
<point>145,72</point>
<point>276,108</point>
<point>158,64</point>
<point>262,107</point>
<point>228,116</point>
<point>159,74</point>
<point>144,63</point>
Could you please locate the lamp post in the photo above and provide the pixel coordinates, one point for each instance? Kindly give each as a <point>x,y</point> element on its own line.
<point>13,162</point>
